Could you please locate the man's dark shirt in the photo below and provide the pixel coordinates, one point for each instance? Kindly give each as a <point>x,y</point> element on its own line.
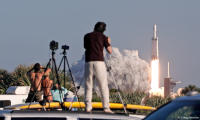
<point>94,44</point>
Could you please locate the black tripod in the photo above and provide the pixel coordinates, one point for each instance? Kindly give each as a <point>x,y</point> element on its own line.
<point>64,60</point>
<point>55,70</point>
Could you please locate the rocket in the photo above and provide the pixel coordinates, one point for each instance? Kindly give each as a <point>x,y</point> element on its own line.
<point>154,43</point>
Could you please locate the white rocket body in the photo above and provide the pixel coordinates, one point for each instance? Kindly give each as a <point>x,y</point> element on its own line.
<point>154,43</point>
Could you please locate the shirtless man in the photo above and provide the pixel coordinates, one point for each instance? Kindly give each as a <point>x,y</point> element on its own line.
<point>35,78</point>
<point>46,86</point>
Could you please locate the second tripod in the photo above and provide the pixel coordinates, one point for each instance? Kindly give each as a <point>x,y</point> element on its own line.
<point>64,60</point>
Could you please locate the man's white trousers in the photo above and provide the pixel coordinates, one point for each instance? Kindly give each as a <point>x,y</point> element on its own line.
<point>97,70</point>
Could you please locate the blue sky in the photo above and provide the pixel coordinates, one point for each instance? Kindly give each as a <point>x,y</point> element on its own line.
<point>27,27</point>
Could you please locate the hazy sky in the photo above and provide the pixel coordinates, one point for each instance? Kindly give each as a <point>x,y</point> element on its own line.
<point>27,27</point>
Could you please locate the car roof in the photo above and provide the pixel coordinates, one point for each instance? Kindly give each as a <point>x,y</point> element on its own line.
<point>188,98</point>
<point>64,114</point>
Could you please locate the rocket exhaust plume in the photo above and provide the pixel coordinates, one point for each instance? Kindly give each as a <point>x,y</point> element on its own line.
<point>155,74</point>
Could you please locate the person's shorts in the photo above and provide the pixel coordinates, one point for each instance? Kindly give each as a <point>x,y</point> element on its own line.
<point>34,96</point>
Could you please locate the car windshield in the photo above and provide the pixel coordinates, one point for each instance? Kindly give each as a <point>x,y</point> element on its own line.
<point>177,110</point>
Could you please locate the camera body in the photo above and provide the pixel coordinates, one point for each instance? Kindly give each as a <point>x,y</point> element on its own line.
<point>65,47</point>
<point>53,45</point>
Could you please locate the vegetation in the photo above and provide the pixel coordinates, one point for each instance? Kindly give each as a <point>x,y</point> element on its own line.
<point>5,80</point>
<point>20,77</point>
<point>190,88</point>
<point>16,78</point>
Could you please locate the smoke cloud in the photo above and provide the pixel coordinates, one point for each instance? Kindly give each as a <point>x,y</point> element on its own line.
<point>130,72</point>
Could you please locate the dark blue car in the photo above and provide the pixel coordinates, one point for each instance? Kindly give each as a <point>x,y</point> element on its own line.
<point>182,108</point>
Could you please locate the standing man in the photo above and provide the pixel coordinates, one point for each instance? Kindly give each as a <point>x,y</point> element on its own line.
<point>94,44</point>
<point>35,93</point>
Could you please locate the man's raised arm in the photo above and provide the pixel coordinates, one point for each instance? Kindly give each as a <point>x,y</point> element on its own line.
<point>109,48</point>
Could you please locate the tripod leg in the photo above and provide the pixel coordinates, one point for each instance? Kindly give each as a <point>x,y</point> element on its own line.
<point>117,87</point>
<point>64,72</point>
<point>57,77</point>
<point>60,63</point>
<point>76,91</point>
<point>71,76</point>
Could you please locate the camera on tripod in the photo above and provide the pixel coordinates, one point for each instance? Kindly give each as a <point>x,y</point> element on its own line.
<point>65,47</point>
<point>53,45</point>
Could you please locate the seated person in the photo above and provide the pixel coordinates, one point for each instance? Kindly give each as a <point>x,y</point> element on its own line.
<point>58,93</point>
<point>46,86</point>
